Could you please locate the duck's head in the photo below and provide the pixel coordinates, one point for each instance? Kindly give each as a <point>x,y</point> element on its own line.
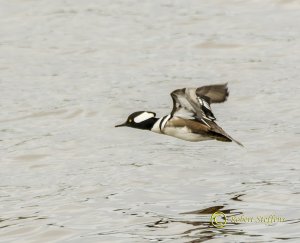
<point>141,120</point>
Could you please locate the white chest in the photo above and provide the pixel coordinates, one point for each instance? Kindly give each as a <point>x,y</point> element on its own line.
<point>156,127</point>
<point>160,124</point>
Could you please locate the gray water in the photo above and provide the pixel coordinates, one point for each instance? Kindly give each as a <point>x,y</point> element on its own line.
<point>71,70</point>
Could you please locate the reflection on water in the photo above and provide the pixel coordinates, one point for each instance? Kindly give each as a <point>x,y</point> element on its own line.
<point>200,229</point>
<point>72,70</point>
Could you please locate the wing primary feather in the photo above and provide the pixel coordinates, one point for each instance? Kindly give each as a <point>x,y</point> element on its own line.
<point>217,93</point>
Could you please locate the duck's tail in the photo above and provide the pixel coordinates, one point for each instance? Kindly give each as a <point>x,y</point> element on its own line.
<point>219,134</point>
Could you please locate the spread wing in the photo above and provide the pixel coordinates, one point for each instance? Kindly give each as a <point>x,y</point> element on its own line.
<point>194,103</point>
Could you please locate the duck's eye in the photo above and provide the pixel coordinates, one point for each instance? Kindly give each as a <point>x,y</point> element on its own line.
<point>129,120</point>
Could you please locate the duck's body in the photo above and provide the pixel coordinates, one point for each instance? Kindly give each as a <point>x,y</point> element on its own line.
<point>191,118</point>
<point>179,128</point>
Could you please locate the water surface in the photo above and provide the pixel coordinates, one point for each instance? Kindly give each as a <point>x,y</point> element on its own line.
<point>71,70</point>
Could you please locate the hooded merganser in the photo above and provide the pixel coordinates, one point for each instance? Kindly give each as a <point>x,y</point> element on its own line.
<point>191,118</point>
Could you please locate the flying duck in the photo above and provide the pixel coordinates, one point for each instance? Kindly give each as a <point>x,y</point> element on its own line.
<point>191,118</point>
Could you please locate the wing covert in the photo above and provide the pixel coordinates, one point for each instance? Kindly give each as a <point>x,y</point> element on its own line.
<point>188,105</point>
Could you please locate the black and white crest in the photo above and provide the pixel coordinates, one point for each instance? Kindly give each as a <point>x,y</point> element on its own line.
<point>143,116</point>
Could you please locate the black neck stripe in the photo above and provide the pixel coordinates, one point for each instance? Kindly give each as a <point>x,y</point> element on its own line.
<point>162,121</point>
